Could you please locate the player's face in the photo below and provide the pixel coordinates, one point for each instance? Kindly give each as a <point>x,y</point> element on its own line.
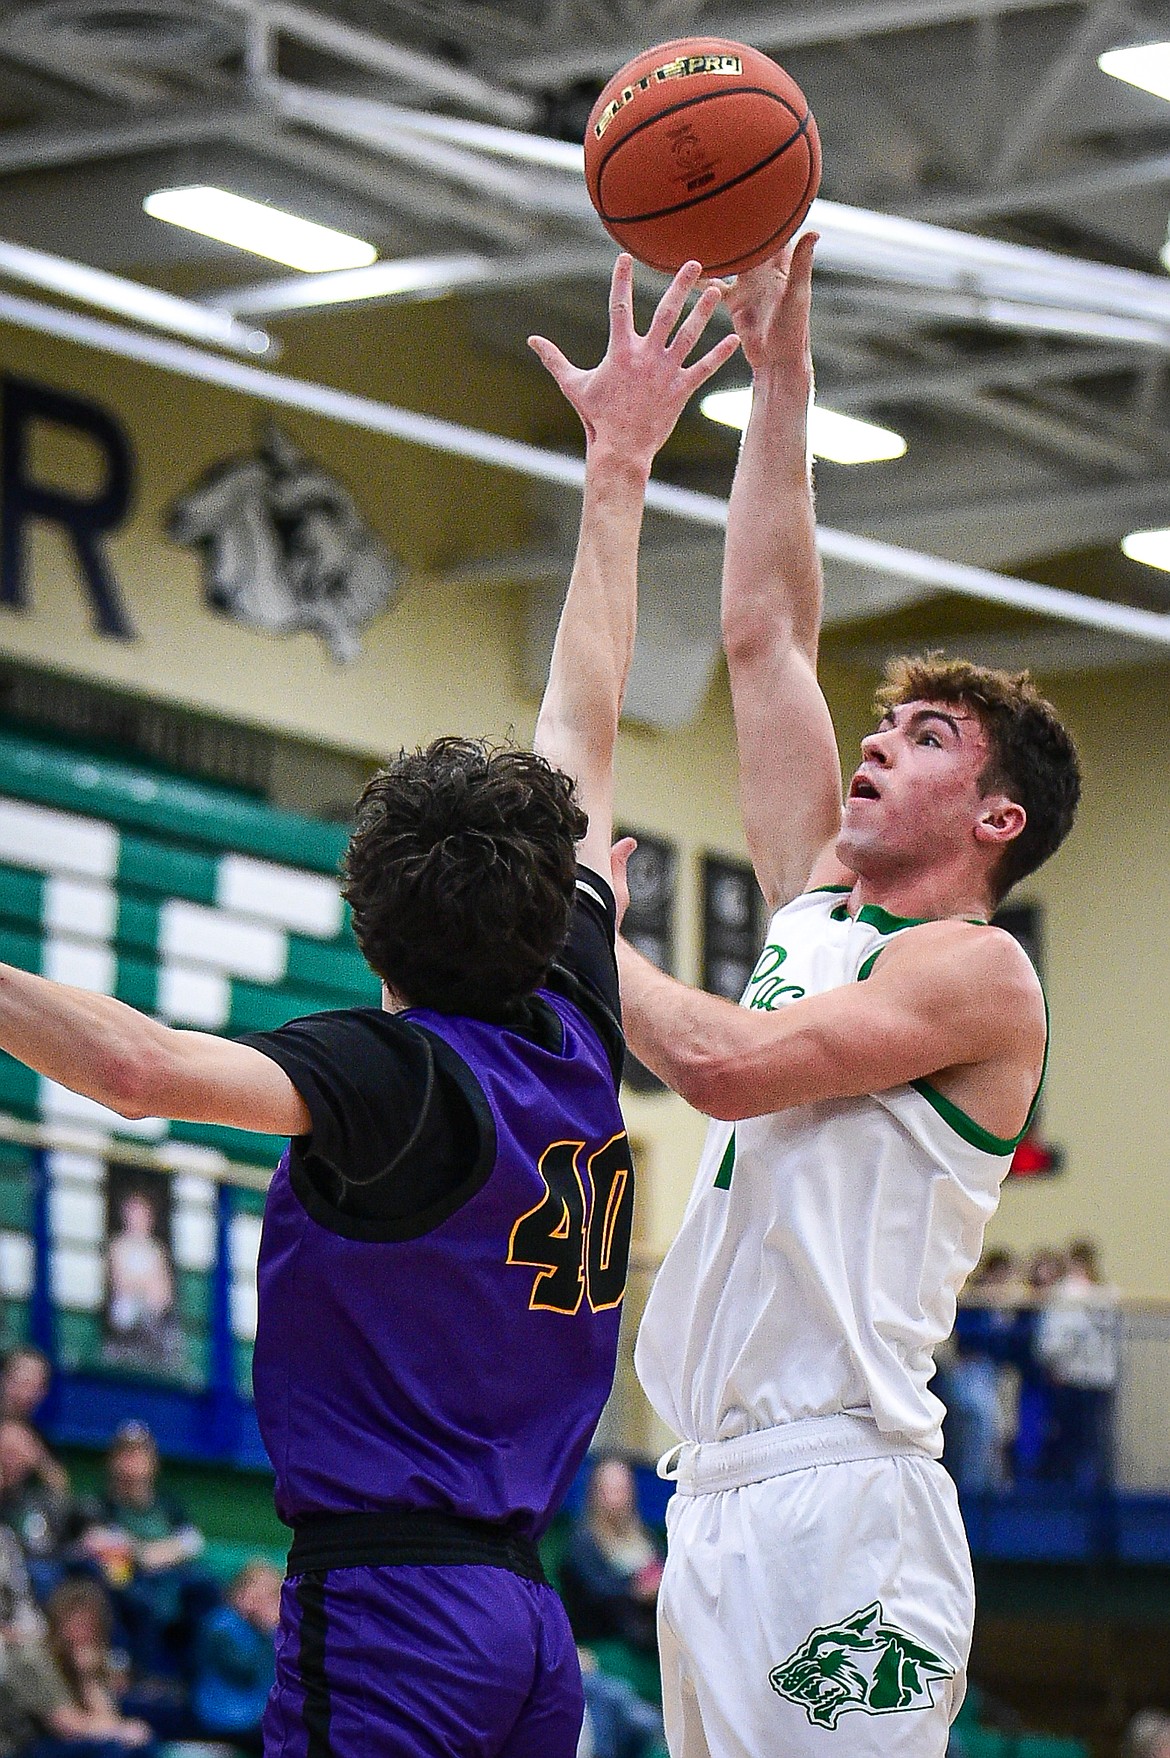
<point>915,798</point>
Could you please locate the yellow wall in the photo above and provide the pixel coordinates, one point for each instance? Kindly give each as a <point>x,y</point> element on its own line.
<point>447,657</point>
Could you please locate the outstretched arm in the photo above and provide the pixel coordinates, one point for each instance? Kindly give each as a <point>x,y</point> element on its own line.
<point>114,1054</point>
<point>790,779</point>
<point>629,405</point>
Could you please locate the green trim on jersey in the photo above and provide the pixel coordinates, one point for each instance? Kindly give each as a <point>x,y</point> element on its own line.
<point>964,1126</point>
<point>726,1165</point>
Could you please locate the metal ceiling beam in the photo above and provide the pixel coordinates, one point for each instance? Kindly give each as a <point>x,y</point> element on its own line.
<point>402,279</point>
<point>1003,528</point>
<point>64,69</point>
<point>773,29</point>
<point>46,149</point>
<point>327,402</point>
<point>1070,190</point>
<point>376,126</point>
<point>374,55</point>
<point>1011,371</point>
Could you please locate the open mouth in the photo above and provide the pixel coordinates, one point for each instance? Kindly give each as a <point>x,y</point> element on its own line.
<point>862,788</point>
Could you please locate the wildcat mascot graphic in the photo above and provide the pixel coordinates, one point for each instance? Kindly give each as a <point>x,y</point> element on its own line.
<point>863,1663</point>
<point>284,546</point>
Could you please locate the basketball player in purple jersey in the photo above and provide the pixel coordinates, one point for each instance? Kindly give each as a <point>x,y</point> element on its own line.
<point>445,1241</point>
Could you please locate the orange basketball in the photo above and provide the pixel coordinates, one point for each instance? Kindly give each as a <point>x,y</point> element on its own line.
<point>703,149</point>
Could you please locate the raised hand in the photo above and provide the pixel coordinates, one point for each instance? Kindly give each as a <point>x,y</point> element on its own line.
<point>769,307</point>
<point>632,399</point>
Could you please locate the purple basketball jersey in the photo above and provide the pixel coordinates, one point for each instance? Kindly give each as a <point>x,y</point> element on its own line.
<point>464,1370</point>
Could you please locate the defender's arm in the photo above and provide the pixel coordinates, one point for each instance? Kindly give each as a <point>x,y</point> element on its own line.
<point>943,999</point>
<point>112,1053</point>
<point>790,779</point>
<point>629,405</point>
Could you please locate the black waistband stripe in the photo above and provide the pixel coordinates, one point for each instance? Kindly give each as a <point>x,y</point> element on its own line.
<point>404,1536</point>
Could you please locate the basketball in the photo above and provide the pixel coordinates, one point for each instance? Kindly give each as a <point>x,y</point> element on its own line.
<point>702,149</point>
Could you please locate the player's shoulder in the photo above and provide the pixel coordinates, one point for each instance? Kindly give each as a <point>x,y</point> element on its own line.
<point>962,952</point>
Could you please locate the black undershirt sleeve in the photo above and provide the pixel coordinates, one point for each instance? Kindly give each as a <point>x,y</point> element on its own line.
<point>393,1132</point>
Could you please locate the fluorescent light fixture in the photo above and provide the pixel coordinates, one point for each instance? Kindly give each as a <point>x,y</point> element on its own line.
<point>1146,65</point>
<point>1150,547</point>
<point>841,439</point>
<point>251,225</point>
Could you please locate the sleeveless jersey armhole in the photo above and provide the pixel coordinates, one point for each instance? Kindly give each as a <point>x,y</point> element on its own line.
<point>958,1119</point>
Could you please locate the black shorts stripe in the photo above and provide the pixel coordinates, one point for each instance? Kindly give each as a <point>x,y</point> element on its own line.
<point>314,1680</point>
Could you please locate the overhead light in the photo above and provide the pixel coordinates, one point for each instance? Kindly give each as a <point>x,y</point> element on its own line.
<point>266,231</point>
<point>1150,547</point>
<point>841,439</point>
<point>1146,65</point>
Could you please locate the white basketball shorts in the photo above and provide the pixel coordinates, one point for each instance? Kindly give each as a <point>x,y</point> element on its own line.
<point>817,1601</point>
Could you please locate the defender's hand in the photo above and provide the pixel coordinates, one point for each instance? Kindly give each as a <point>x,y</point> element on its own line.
<point>619,860</point>
<point>632,399</point>
<point>769,307</point>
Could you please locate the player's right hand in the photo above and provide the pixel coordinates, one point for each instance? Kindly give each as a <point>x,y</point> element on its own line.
<point>631,400</point>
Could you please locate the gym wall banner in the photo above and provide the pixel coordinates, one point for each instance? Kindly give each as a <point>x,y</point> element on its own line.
<point>282,543</point>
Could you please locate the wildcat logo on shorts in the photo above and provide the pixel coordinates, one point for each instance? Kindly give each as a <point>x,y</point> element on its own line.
<point>863,1663</point>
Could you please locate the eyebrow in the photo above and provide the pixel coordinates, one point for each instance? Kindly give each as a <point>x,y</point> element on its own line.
<point>921,714</point>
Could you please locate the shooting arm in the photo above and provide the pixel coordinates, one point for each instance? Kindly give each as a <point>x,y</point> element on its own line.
<point>790,781</point>
<point>945,997</point>
<point>112,1053</point>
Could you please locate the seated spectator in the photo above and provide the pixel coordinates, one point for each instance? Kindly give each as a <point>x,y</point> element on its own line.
<point>79,1623</point>
<point>24,1383</point>
<point>985,1340</point>
<point>235,1658</point>
<point>1035,1422</point>
<point>34,1490</point>
<point>612,1567</point>
<point>1148,1735</point>
<point>617,1724</point>
<point>145,1546</point>
<point>1078,1341</point>
<point>45,1715</point>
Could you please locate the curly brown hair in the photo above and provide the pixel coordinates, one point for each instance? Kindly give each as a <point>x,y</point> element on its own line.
<point>460,874</point>
<point>1033,758</point>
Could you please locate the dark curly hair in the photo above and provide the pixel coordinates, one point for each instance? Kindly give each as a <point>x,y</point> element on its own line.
<point>460,874</point>
<point>1033,759</point>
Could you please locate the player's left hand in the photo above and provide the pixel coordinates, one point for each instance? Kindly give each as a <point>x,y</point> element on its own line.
<point>769,307</point>
<point>632,399</point>
<point>619,860</point>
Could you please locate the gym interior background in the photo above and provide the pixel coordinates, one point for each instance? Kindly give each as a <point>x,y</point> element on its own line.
<point>233,576</point>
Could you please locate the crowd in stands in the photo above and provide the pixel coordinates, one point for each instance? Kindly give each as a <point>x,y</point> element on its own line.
<point>112,1635</point>
<point>1031,1372</point>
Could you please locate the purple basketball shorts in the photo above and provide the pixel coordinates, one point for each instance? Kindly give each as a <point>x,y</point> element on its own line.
<point>426,1661</point>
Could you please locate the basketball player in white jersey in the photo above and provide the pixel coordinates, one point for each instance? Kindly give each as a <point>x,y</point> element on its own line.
<point>818,1598</point>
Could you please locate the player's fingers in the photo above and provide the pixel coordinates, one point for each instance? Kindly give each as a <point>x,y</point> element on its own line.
<point>709,364</point>
<point>671,304</point>
<point>696,321</point>
<point>621,294</point>
<point>551,358</point>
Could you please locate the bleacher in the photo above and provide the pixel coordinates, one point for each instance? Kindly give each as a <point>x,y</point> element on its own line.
<point>213,911</point>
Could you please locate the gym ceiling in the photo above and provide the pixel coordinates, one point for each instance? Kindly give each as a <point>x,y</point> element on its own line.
<point>1036,406</point>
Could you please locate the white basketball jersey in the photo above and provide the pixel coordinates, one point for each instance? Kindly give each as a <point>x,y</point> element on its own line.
<point>818,1263</point>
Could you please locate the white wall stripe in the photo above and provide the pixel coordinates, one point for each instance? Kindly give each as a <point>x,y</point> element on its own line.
<point>212,937</point>
<point>77,1278</point>
<point>56,842</point>
<point>308,902</point>
<point>193,998</point>
<point>80,907</point>
<point>16,1266</point>
<point>84,967</point>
